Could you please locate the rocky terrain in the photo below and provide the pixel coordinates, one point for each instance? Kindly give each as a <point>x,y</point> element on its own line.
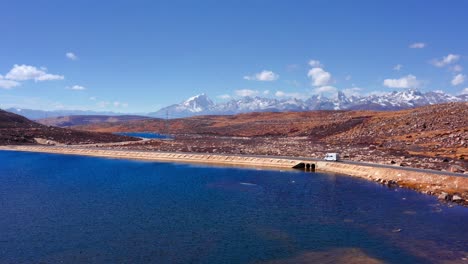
<point>433,137</point>
<point>16,129</point>
<point>297,147</point>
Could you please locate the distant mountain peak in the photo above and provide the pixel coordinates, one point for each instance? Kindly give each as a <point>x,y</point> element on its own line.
<point>201,96</point>
<point>407,98</point>
<point>195,105</point>
<point>198,103</point>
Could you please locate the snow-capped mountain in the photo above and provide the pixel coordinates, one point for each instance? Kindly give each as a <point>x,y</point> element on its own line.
<point>196,105</point>
<point>402,99</point>
<point>255,104</point>
<point>202,105</point>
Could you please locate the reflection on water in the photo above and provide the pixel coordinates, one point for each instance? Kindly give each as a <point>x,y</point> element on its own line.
<point>69,209</point>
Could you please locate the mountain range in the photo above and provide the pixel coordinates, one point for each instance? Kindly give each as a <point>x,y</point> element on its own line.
<point>202,105</point>
<point>43,114</point>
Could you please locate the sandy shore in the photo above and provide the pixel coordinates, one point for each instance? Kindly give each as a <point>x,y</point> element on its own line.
<point>447,186</point>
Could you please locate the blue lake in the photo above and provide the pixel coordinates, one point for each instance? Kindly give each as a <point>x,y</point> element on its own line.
<point>72,209</point>
<point>143,135</point>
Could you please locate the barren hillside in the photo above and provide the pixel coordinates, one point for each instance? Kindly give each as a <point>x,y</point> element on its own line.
<point>16,129</point>
<point>430,130</point>
<point>77,120</point>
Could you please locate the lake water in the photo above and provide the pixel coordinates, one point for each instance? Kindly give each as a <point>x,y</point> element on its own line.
<point>143,135</point>
<point>72,209</point>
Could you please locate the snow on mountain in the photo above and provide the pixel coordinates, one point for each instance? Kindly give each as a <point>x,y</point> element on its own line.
<point>401,100</point>
<point>196,105</point>
<point>246,104</point>
<point>259,104</point>
<point>202,105</point>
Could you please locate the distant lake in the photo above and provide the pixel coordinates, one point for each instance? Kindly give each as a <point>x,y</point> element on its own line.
<point>143,134</point>
<point>72,209</point>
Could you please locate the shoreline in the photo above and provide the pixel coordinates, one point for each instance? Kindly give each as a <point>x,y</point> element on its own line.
<point>446,186</point>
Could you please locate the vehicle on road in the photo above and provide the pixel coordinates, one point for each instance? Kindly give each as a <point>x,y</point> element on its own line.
<point>332,157</point>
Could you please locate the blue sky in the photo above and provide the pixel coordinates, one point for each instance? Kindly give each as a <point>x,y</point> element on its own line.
<point>138,56</point>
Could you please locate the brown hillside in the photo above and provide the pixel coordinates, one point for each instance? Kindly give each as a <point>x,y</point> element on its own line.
<point>16,129</point>
<point>77,120</point>
<point>251,124</point>
<point>430,130</point>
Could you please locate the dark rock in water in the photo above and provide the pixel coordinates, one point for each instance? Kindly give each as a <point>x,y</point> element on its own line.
<point>443,196</point>
<point>456,198</point>
<point>392,183</point>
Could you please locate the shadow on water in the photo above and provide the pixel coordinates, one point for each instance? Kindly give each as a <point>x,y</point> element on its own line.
<point>72,209</point>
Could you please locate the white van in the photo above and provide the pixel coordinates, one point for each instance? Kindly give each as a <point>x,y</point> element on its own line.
<point>332,157</point>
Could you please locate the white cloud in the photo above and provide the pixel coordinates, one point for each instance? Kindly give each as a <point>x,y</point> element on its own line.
<point>120,104</point>
<point>103,104</point>
<point>458,79</point>
<point>409,81</point>
<point>348,77</point>
<point>49,77</point>
<point>280,94</point>
<point>325,89</point>
<point>376,93</point>
<point>27,72</point>
<point>417,45</point>
<point>92,98</point>
<point>243,93</point>
<point>398,67</point>
<point>224,97</point>
<point>464,91</point>
<point>456,68</point>
<point>77,88</point>
<point>289,95</point>
<point>71,56</point>
<point>354,91</point>
<point>446,60</point>
<point>264,76</point>
<point>246,92</point>
<point>315,64</point>
<point>319,77</point>
<point>8,84</point>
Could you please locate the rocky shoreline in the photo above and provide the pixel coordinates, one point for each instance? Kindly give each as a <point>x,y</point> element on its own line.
<point>307,148</point>
<point>448,187</point>
<point>299,147</point>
